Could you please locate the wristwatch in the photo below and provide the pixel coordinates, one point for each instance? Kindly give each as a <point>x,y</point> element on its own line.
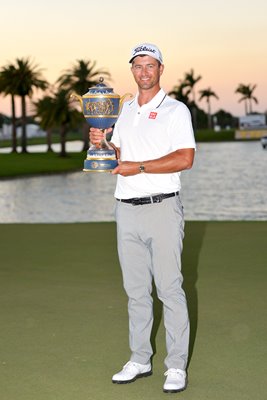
<point>141,168</point>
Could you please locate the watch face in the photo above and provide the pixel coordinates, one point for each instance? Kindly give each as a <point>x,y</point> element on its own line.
<point>142,168</point>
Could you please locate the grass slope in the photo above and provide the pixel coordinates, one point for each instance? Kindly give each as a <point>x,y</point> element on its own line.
<point>64,321</point>
<point>14,165</point>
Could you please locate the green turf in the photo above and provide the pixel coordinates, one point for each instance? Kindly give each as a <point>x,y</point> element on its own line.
<point>209,135</point>
<point>14,165</point>
<point>64,319</point>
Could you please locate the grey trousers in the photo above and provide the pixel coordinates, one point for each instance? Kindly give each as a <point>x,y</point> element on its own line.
<point>150,241</point>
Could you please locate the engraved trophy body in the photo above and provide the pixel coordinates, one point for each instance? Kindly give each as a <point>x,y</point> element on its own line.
<point>101,108</point>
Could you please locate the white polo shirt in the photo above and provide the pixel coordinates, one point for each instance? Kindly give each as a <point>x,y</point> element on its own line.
<point>148,132</point>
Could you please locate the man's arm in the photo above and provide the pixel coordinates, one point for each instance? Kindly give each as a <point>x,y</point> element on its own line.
<point>176,161</point>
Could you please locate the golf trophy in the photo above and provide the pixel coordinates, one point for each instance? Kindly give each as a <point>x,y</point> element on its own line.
<point>101,108</point>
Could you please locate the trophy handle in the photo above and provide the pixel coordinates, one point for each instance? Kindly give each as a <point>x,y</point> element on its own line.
<point>78,97</point>
<point>104,143</point>
<point>122,98</point>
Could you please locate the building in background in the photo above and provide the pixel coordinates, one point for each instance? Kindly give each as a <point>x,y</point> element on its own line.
<point>251,126</point>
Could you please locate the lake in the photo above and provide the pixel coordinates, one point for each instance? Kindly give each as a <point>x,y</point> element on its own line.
<point>227,182</point>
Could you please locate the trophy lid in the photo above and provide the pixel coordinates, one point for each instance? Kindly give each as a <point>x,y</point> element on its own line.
<point>100,88</point>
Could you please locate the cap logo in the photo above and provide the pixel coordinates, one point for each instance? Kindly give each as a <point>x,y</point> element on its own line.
<point>146,49</point>
<point>143,48</point>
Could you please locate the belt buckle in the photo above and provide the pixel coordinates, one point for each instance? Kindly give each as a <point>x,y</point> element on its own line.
<point>136,202</point>
<point>157,198</point>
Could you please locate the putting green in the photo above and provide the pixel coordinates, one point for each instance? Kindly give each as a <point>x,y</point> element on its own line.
<point>64,321</point>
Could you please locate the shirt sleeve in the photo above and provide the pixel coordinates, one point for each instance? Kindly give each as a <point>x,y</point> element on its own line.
<point>181,130</point>
<point>115,139</point>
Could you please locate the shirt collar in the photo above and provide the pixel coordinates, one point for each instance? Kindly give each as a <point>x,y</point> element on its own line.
<point>153,103</point>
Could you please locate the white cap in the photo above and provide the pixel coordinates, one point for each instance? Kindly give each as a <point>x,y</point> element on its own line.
<point>146,49</point>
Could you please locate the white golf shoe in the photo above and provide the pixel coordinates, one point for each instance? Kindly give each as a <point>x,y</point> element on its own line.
<point>176,381</point>
<point>132,371</point>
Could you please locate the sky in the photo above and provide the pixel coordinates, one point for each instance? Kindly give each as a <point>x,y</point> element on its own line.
<point>225,42</point>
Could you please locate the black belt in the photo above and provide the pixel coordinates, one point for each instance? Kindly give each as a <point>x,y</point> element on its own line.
<point>157,198</point>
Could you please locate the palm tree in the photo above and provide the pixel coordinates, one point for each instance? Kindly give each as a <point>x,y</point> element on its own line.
<point>79,78</point>
<point>247,96</point>
<point>8,87</point>
<point>44,113</point>
<point>207,94</point>
<point>180,93</point>
<point>63,116</point>
<point>190,81</point>
<point>26,78</point>
<point>56,111</point>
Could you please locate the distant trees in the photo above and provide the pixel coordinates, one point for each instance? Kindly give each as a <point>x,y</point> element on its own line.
<point>20,79</point>
<point>79,78</point>
<point>56,111</point>
<point>225,119</point>
<point>24,78</point>
<point>64,116</point>
<point>181,92</point>
<point>207,94</point>
<point>190,81</point>
<point>185,92</point>
<point>7,87</point>
<point>43,112</point>
<point>247,96</point>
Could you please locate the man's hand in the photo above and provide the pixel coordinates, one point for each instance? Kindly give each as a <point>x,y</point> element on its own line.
<point>97,135</point>
<point>127,168</point>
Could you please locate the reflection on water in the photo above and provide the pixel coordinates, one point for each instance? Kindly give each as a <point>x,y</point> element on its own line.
<point>73,197</point>
<point>227,182</point>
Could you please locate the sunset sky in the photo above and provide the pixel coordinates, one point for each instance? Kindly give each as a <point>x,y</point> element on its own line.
<point>223,41</point>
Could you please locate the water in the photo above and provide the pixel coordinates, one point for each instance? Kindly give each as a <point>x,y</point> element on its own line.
<point>74,145</point>
<point>228,182</point>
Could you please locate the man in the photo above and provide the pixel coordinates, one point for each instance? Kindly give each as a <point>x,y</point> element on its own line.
<point>154,141</point>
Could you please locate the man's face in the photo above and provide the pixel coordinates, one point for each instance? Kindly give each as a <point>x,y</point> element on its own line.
<point>146,71</point>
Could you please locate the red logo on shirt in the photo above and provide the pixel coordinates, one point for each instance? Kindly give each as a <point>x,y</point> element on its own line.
<point>152,115</point>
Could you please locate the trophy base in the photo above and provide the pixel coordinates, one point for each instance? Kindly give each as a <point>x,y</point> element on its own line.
<point>100,161</point>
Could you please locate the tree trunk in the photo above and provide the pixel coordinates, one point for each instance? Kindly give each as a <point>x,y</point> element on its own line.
<point>63,132</point>
<point>246,107</point>
<point>209,115</point>
<point>14,128</point>
<point>194,116</point>
<point>23,126</point>
<point>250,105</point>
<point>49,140</point>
